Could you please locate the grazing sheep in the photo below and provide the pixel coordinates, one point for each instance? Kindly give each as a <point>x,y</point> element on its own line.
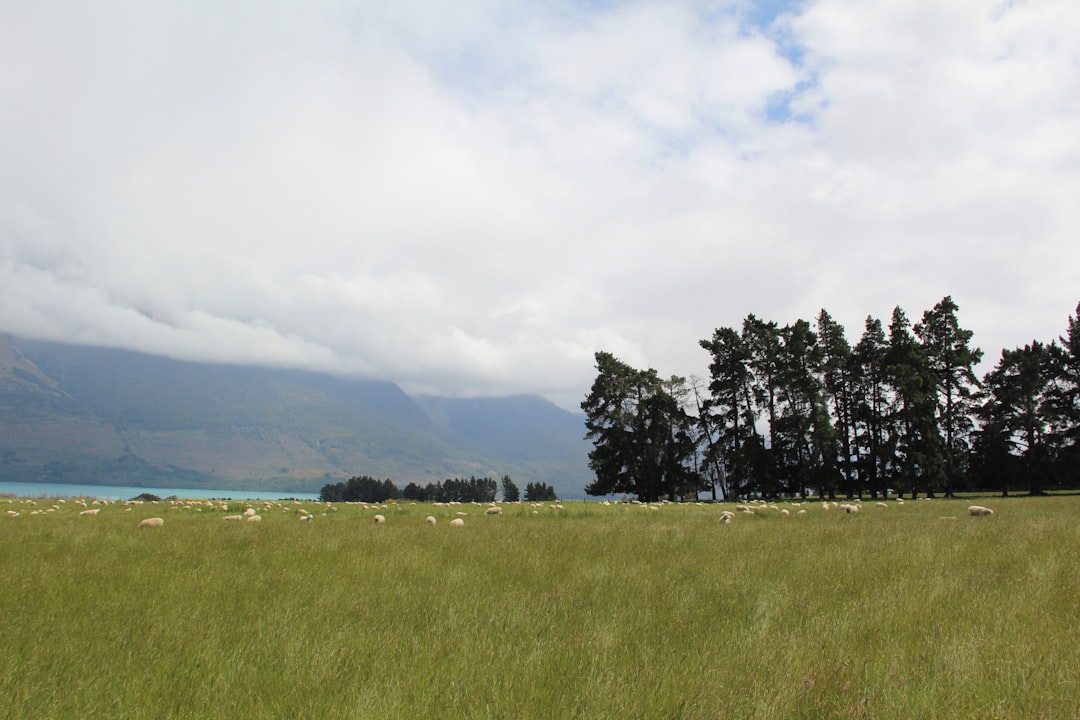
<point>254,518</point>
<point>457,522</point>
<point>95,511</point>
<point>233,517</point>
<point>430,520</point>
<point>881,505</point>
<point>493,511</point>
<point>785,512</point>
<point>305,517</point>
<point>152,522</point>
<point>249,512</point>
<point>379,519</point>
<point>979,510</point>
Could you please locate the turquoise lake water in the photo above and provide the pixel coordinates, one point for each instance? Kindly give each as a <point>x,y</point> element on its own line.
<point>121,492</point>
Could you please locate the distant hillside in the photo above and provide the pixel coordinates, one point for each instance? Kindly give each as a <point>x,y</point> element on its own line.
<point>96,415</point>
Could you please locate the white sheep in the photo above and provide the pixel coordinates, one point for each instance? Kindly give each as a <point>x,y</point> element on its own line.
<point>881,505</point>
<point>430,520</point>
<point>493,511</point>
<point>235,518</point>
<point>457,522</point>
<point>978,510</point>
<point>254,518</point>
<point>726,517</point>
<point>95,511</point>
<point>152,522</point>
<point>380,519</point>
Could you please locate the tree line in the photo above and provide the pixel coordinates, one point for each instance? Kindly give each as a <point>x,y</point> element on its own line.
<point>797,409</point>
<point>363,488</point>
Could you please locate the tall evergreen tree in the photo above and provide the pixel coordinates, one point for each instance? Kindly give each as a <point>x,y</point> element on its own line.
<point>765,350</point>
<point>510,490</point>
<point>730,409</point>
<point>838,373</point>
<point>951,361</point>
<point>875,439</point>
<point>1015,415</point>
<point>641,443</point>
<point>1064,401</point>
<point>920,462</point>
<point>807,452</point>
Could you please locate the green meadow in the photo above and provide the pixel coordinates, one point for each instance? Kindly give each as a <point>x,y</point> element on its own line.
<point>588,611</point>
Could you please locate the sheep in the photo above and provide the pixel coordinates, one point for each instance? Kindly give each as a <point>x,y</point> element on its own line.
<point>457,522</point>
<point>152,522</point>
<point>254,518</point>
<point>380,519</point>
<point>493,511</point>
<point>236,518</point>
<point>881,505</point>
<point>430,520</point>
<point>306,517</point>
<point>249,512</point>
<point>785,512</point>
<point>95,511</point>
<point>979,510</point>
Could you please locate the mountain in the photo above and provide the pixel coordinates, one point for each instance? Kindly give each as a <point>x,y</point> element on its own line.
<point>97,415</point>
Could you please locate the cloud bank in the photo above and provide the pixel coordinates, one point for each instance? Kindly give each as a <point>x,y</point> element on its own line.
<point>471,199</point>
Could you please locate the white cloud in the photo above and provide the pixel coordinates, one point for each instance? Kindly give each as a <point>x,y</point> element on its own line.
<point>474,198</point>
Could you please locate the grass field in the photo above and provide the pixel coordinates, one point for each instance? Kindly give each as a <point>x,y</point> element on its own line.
<point>590,611</point>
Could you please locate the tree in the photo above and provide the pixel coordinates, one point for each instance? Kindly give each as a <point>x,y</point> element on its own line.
<point>639,429</point>
<point>510,491</point>
<point>539,492</point>
<point>920,465</point>
<point>1016,413</point>
<point>730,411</point>
<point>806,451</point>
<point>1064,401</point>
<point>764,346</point>
<point>361,488</point>
<point>950,360</point>
<point>874,436</point>
<point>838,373</point>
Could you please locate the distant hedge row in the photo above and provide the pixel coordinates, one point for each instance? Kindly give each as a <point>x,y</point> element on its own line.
<point>364,488</point>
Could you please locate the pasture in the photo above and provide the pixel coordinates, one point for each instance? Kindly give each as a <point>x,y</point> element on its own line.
<point>588,611</point>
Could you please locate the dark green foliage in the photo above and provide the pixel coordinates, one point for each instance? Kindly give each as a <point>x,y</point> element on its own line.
<point>1017,417</point>
<point>538,492</point>
<point>643,442</point>
<point>951,361</point>
<point>792,411</point>
<point>361,488</point>
<point>510,491</point>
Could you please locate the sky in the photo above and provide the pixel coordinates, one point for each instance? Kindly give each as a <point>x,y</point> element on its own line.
<point>472,198</point>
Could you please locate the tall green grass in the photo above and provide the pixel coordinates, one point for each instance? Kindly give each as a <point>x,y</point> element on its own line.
<point>585,612</point>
